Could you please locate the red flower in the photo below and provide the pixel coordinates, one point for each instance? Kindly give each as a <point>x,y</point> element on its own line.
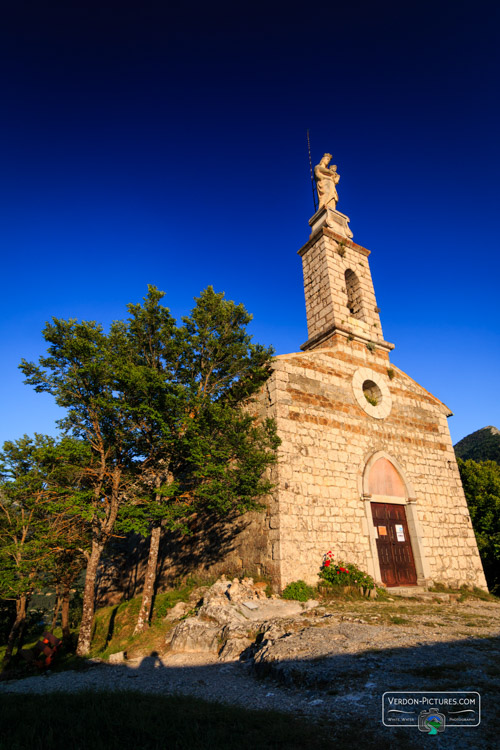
<point>338,572</point>
<point>343,570</point>
<point>327,563</point>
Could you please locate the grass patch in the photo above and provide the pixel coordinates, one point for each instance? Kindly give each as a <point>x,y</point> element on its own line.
<point>113,721</point>
<point>382,594</point>
<point>465,593</point>
<point>396,620</point>
<point>114,626</point>
<point>330,593</point>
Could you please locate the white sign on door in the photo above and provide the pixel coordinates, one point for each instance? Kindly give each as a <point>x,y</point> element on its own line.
<point>400,533</point>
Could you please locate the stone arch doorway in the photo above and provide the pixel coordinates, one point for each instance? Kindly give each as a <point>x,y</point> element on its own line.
<point>392,521</point>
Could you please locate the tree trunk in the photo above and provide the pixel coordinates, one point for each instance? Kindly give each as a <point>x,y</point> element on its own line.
<point>20,634</point>
<point>85,634</point>
<point>17,627</point>
<point>149,581</point>
<point>57,607</point>
<point>65,614</point>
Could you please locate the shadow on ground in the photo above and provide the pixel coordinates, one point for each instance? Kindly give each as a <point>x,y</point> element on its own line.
<point>341,692</point>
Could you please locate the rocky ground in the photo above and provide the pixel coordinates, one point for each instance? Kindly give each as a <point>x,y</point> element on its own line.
<point>330,662</point>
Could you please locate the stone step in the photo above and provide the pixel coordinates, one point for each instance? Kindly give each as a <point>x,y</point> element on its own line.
<point>406,590</point>
<point>421,592</point>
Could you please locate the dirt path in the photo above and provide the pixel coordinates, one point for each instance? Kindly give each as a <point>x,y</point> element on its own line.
<point>334,661</point>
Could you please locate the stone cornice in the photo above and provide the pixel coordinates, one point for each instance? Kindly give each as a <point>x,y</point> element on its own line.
<point>315,340</point>
<point>327,232</point>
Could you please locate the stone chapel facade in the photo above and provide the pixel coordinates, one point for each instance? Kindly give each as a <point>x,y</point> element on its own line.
<point>366,465</point>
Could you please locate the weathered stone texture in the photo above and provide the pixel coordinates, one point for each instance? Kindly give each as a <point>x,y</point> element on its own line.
<point>332,433</point>
<point>338,288</point>
<point>327,441</point>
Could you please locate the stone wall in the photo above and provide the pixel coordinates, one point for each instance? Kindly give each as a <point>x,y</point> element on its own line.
<point>326,259</point>
<point>328,438</point>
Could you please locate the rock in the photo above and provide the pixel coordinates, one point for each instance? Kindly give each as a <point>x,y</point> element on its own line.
<point>231,615</point>
<point>196,595</point>
<point>260,587</point>
<point>270,608</point>
<point>193,635</point>
<point>221,612</point>
<point>235,640</point>
<point>238,592</point>
<point>117,658</point>
<point>177,611</point>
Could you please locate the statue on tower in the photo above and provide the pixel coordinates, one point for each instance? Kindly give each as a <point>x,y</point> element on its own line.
<point>326,179</point>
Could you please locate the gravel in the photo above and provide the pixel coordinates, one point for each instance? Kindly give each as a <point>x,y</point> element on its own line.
<point>330,664</point>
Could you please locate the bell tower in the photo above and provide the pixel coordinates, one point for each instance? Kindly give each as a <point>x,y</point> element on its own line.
<point>338,287</point>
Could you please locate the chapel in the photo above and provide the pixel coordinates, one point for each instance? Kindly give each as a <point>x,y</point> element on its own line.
<point>366,465</point>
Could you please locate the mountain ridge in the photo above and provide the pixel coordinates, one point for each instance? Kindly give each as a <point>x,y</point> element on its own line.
<point>481,445</point>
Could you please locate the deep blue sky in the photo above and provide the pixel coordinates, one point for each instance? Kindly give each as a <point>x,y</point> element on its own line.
<point>141,143</point>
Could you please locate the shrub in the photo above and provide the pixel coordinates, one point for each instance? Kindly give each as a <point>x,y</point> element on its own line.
<point>344,574</point>
<point>298,590</point>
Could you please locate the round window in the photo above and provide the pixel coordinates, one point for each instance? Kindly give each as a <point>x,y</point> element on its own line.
<point>371,391</point>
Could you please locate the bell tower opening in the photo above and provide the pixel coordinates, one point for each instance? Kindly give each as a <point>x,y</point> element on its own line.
<point>354,295</point>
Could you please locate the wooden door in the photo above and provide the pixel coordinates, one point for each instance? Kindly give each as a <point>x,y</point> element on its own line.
<point>397,566</point>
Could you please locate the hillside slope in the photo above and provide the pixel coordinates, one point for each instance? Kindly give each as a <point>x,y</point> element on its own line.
<point>482,445</point>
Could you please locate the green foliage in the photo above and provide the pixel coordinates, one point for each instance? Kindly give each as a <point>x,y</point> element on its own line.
<point>298,590</point>
<point>482,445</point>
<point>39,480</point>
<point>391,373</point>
<point>40,542</point>
<point>164,411</point>
<point>371,346</point>
<point>160,407</point>
<point>481,483</point>
<point>114,626</point>
<point>81,371</point>
<point>165,601</point>
<point>205,454</point>
<point>371,400</point>
<point>344,574</point>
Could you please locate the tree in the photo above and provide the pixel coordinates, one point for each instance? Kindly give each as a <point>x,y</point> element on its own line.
<point>37,474</point>
<point>157,409</point>
<point>69,559</point>
<point>141,397</point>
<point>79,372</point>
<point>186,387</point>
<point>481,483</point>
